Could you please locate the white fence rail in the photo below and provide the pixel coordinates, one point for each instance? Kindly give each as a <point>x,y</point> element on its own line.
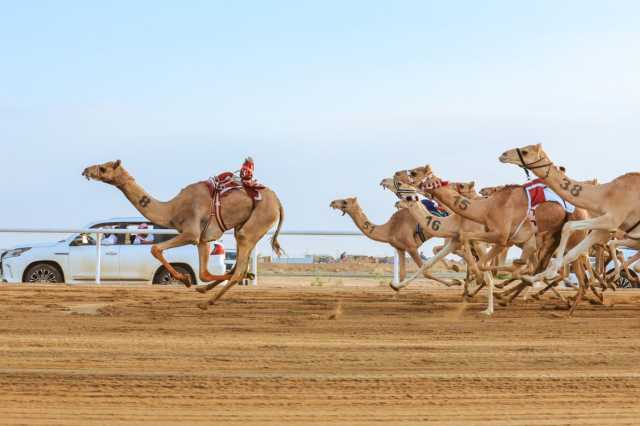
<point>254,257</point>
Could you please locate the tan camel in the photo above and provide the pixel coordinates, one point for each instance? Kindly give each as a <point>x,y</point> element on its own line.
<point>190,213</point>
<point>400,231</point>
<point>613,206</point>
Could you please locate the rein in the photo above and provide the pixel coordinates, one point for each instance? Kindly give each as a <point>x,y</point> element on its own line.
<point>633,227</point>
<point>404,193</point>
<point>532,166</point>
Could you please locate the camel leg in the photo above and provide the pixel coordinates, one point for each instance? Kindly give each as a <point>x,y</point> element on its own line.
<point>582,279</point>
<point>242,262</point>
<point>448,248</point>
<point>488,278</point>
<point>180,240</point>
<point>418,261</point>
<point>517,291</point>
<point>602,223</point>
<point>203,255</point>
<point>402,263</point>
<point>596,236</point>
<point>246,239</point>
<point>508,290</point>
<point>613,245</point>
<point>444,262</point>
<point>488,257</point>
<point>469,258</point>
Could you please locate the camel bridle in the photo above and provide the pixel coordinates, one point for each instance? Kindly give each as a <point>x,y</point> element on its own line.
<point>404,193</point>
<point>533,165</point>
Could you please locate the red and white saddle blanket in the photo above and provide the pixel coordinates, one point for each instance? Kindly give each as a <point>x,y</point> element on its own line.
<point>222,184</point>
<point>538,192</point>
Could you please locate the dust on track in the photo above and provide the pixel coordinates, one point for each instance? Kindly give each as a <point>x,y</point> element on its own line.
<point>291,352</point>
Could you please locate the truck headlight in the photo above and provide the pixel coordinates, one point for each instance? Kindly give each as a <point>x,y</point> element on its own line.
<point>15,252</point>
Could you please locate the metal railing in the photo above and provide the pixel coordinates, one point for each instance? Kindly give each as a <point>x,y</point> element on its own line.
<point>254,256</point>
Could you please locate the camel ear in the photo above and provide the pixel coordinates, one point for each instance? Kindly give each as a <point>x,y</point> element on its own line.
<point>117,164</point>
<point>472,184</point>
<point>538,147</point>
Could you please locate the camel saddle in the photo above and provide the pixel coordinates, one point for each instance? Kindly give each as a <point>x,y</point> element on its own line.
<point>223,184</point>
<point>538,192</point>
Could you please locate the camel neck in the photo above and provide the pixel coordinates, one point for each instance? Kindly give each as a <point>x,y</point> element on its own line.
<point>155,211</point>
<point>472,209</point>
<point>581,194</point>
<point>375,232</point>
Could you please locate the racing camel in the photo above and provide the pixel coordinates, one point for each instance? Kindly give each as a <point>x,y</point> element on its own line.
<point>613,206</point>
<point>202,212</point>
<point>401,231</point>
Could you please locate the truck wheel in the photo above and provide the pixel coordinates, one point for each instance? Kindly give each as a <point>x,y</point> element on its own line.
<point>163,277</point>
<point>43,273</point>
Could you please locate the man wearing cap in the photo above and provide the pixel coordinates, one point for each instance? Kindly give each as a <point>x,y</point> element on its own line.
<point>143,238</point>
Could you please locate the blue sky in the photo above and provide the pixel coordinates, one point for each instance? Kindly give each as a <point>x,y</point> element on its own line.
<point>328,97</point>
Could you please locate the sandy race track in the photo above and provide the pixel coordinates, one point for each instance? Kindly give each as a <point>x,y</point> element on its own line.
<point>291,351</point>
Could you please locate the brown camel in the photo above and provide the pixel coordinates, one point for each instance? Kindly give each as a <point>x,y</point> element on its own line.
<point>613,206</point>
<point>400,231</point>
<point>190,213</point>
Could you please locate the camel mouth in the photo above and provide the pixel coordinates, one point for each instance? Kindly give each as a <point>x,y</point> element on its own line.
<point>337,205</point>
<point>386,183</point>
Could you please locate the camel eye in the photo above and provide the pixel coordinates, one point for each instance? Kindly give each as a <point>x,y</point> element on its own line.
<point>413,174</point>
<point>102,169</point>
<point>525,152</point>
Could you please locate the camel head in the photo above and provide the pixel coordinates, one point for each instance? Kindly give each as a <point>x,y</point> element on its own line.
<point>431,183</point>
<point>409,204</point>
<point>112,173</point>
<point>402,190</point>
<point>466,189</point>
<point>490,190</point>
<point>346,205</point>
<point>412,176</point>
<point>531,156</point>
<point>388,183</point>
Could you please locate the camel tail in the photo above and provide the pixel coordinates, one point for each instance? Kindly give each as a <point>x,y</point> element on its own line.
<point>275,245</point>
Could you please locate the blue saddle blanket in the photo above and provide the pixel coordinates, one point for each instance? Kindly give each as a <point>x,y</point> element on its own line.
<point>433,208</point>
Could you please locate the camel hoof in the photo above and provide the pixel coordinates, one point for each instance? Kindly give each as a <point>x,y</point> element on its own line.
<point>203,306</point>
<point>394,288</point>
<point>488,312</point>
<point>186,280</point>
<point>201,289</point>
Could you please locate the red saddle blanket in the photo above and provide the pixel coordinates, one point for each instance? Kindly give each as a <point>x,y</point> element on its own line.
<point>535,192</point>
<point>227,181</point>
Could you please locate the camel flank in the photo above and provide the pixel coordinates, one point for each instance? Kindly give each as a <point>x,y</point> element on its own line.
<point>189,213</point>
<point>399,231</point>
